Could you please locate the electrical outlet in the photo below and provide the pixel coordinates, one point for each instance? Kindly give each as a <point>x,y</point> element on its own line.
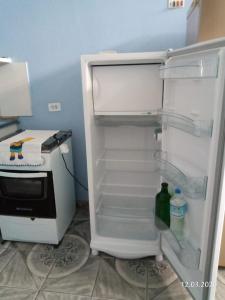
<point>176,3</point>
<point>54,106</point>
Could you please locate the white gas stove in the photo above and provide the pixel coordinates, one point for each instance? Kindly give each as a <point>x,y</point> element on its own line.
<point>37,203</point>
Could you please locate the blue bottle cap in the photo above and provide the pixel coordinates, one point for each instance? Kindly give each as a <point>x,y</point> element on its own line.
<point>177,191</point>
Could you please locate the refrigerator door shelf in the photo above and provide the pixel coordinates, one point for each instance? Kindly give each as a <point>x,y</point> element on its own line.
<point>188,256</point>
<point>199,128</point>
<point>194,67</point>
<point>189,274</point>
<point>192,187</point>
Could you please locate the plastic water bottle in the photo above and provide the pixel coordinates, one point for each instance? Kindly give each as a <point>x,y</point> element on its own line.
<point>178,208</point>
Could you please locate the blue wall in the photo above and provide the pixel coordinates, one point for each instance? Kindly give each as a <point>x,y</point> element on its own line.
<point>52,34</point>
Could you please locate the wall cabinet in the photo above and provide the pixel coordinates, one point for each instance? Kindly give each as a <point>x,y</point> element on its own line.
<point>205,20</point>
<point>15,100</point>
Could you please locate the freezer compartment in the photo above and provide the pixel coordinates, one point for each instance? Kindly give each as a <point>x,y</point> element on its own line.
<point>192,186</point>
<point>196,66</point>
<point>127,228</point>
<point>132,88</point>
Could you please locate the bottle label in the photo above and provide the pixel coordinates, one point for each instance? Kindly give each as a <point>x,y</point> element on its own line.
<point>178,211</point>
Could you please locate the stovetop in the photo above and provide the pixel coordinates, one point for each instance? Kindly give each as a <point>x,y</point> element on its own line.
<point>51,143</point>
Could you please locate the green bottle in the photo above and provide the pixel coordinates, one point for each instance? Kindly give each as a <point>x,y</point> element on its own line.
<point>162,208</point>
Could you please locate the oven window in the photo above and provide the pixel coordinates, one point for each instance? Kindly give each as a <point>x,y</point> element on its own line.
<point>23,188</point>
<point>27,196</point>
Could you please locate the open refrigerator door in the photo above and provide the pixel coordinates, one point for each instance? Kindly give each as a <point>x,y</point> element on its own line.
<point>191,159</point>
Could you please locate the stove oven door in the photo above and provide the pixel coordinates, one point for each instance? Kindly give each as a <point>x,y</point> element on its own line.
<point>29,194</point>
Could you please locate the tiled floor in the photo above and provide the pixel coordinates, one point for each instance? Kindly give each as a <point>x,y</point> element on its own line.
<point>98,279</point>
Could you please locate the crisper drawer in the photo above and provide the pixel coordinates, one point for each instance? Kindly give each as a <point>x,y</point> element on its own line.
<point>127,228</point>
<point>127,89</point>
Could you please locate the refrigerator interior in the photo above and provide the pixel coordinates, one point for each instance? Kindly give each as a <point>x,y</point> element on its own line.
<point>127,178</point>
<point>131,162</point>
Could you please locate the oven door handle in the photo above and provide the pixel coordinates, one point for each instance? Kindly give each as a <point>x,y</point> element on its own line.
<point>23,175</point>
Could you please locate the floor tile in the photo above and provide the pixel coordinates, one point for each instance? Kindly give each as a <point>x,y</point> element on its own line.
<point>78,283</point>
<point>71,255</point>
<point>26,267</point>
<point>221,275</point>
<point>82,213</point>
<point>94,298</point>
<point>81,228</point>
<point>16,294</point>
<point>59,296</point>
<point>105,255</point>
<point>4,244</point>
<point>6,254</point>
<point>17,273</point>
<point>161,276</point>
<point>110,285</point>
<point>23,246</point>
<point>220,290</point>
<point>174,292</point>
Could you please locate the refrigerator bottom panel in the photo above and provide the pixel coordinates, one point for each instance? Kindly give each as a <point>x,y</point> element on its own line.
<point>126,249</point>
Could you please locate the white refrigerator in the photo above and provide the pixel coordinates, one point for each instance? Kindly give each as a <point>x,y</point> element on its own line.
<point>153,117</point>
